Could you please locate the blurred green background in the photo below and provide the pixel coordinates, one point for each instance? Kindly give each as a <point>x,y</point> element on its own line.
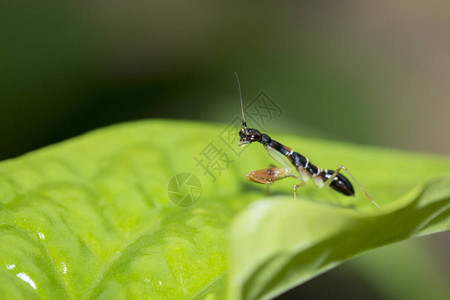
<point>368,72</point>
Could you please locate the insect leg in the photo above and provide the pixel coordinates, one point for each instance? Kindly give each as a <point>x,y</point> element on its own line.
<point>268,189</point>
<point>301,184</point>
<point>341,167</point>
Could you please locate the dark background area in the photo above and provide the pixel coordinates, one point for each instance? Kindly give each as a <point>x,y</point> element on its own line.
<point>363,72</point>
<point>373,73</point>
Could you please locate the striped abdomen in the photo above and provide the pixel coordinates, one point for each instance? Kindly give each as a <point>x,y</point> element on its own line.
<point>340,183</point>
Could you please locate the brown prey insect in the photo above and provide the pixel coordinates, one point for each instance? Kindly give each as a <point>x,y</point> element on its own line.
<point>290,161</point>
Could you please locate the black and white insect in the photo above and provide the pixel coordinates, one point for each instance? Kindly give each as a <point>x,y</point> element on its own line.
<point>290,161</point>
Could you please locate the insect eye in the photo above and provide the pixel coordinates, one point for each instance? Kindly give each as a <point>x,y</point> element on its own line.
<point>255,137</point>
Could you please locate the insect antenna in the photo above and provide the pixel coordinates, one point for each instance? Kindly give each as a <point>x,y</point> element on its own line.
<point>244,124</point>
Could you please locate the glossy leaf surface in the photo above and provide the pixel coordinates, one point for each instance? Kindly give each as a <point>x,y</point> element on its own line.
<point>91,217</point>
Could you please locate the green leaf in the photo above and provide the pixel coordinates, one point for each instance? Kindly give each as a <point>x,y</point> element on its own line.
<point>91,217</point>
<point>407,270</point>
<point>280,243</point>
